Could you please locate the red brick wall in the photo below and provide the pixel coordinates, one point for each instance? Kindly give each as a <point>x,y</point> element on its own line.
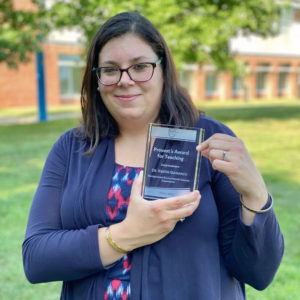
<point>18,87</point>
<point>250,81</point>
<point>274,62</point>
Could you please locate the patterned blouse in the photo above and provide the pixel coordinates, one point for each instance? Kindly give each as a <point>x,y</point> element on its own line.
<point>118,279</point>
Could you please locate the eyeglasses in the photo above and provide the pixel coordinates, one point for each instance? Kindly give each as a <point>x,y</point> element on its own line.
<point>139,72</point>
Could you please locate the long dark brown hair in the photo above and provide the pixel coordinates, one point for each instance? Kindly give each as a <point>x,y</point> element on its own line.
<point>176,105</point>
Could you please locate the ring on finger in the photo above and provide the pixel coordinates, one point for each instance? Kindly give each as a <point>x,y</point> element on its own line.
<point>182,219</point>
<point>224,154</point>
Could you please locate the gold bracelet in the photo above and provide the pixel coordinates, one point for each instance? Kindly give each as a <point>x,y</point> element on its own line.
<point>112,242</point>
<point>261,211</point>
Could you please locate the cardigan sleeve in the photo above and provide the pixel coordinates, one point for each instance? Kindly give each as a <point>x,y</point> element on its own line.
<point>252,253</point>
<point>51,253</point>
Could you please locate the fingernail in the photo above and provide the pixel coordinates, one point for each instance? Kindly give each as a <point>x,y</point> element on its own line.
<point>198,194</point>
<point>198,148</point>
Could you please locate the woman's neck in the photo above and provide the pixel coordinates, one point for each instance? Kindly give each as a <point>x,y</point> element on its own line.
<point>130,147</point>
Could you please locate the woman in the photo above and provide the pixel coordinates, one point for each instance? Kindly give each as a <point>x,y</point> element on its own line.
<point>84,231</point>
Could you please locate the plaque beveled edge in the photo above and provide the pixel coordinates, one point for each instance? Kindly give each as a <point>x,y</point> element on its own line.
<point>198,161</point>
<point>148,146</point>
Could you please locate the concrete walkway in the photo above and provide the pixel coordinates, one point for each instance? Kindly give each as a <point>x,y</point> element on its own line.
<point>7,120</point>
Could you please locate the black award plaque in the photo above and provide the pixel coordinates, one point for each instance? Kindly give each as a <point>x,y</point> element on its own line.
<point>172,164</point>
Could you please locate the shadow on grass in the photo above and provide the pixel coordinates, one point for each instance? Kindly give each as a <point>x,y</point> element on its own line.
<point>252,113</point>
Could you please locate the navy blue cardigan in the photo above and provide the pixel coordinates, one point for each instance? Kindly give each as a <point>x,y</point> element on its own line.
<point>209,256</point>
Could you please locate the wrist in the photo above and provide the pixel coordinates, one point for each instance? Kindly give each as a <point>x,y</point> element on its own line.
<point>256,198</point>
<point>119,235</point>
<point>261,210</point>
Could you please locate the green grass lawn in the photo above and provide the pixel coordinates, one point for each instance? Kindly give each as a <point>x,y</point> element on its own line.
<point>271,132</point>
<point>32,111</point>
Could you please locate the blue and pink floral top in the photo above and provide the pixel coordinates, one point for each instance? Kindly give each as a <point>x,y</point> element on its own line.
<point>118,279</point>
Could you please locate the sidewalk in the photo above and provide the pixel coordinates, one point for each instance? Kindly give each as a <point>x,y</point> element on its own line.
<point>34,119</point>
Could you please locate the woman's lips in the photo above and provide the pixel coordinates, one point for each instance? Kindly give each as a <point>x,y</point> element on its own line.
<point>127,98</point>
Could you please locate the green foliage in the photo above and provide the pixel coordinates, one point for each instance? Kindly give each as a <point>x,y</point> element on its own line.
<point>19,32</point>
<point>196,31</point>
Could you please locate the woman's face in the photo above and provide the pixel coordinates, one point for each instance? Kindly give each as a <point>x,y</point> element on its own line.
<point>130,102</point>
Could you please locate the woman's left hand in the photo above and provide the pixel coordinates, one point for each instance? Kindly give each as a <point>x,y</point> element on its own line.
<point>229,155</point>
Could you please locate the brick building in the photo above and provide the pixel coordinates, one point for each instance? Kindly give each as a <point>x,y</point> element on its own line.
<point>62,69</point>
<point>63,64</point>
<point>273,68</point>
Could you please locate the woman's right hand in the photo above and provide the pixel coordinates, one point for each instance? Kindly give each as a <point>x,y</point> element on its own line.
<point>147,221</point>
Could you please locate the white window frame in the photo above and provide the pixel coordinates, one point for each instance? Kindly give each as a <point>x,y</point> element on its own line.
<point>71,64</point>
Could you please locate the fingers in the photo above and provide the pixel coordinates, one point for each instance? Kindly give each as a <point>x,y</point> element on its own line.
<point>163,210</point>
<point>219,154</point>
<point>230,156</point>
<point>217,141</point>
<point>185,211</point>
<point>175,208</point>
<point>180,201</point>
<point>223,166</point>
<point>218,147</point>
<point>217,144</point>
<point>222,147</point>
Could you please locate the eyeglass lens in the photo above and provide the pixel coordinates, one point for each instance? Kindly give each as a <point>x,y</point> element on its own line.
<point>138,72</point>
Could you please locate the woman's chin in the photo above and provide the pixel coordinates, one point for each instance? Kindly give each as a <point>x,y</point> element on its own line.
<point>134,119</point>
<point>132,115</point>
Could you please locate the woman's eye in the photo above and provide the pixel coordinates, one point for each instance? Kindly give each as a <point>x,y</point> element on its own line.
<point>109,70</point>
<point>140,67</point>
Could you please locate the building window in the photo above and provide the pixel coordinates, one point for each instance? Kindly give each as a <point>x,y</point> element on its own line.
<point>211,84</point>
<point>262,78</point>
<point>282,83</point>
<point>283,78</point>
<point>261,83</point>
<point>186,79</point>
<point>237,86</point>
<point>286,18</point>
<point>70,76</point>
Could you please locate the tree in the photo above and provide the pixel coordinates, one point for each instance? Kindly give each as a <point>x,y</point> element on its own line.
<point>196,31</point>
<point>19,31</point>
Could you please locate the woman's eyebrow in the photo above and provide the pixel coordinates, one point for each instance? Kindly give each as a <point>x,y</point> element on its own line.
<point>139,58</point>
<point>133,60</point>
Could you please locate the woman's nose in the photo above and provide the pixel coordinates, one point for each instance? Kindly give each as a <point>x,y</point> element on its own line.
<point>125,79</point>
